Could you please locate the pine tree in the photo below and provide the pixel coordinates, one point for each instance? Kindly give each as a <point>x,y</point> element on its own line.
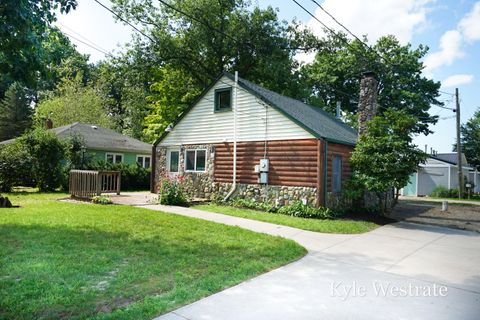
<point>15,112</point>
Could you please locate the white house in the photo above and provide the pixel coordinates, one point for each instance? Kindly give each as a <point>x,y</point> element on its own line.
<point>440,170</point>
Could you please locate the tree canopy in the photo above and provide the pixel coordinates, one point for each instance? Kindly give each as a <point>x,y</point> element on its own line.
<point>336,71</point>
<point>24,28</point>
<point>470,140</point>
<point>72,102</point>
<point>15,112</point>
<point>385,156</point>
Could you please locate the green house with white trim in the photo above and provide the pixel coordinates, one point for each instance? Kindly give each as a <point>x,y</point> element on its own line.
<point>104,144</point>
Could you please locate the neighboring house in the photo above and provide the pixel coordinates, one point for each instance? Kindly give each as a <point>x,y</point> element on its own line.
<point>106,145</point>
<point>307,149</point>
<point>440,169</point>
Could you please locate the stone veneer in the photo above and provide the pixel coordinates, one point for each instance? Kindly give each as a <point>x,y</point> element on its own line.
<point>201,185</point>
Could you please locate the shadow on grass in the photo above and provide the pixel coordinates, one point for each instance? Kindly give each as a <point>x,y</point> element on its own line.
<point>61,272</point>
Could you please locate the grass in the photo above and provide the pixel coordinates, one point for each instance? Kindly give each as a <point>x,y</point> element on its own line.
<point>79,261</point>
<point>318,225</point>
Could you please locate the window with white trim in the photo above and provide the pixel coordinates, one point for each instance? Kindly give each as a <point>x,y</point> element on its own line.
<point>143,161</point>
<point>114,157</point>
<point>196,160</point>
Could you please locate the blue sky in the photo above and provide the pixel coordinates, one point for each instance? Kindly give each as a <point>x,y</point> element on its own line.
<point>451,29</point>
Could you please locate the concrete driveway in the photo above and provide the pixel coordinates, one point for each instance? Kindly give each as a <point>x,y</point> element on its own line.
<point>399,271</point>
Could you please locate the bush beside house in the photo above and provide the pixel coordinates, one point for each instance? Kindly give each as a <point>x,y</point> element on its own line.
<point>40,159</point>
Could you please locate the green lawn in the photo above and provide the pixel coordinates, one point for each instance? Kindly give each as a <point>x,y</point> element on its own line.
<point>318,225</point>
<point>64,260</point>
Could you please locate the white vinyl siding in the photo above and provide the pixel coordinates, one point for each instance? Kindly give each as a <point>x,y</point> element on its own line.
<point>203,125</point>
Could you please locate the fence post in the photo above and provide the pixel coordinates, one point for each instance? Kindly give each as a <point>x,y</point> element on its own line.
<point>119,178</point>
<point>99,184</point>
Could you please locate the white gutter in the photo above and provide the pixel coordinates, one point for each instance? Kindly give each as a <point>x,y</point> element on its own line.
<point>234,179</point>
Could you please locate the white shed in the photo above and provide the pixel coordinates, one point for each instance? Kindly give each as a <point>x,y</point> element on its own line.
<point>440,170</point>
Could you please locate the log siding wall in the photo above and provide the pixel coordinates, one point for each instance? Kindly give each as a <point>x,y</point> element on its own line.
<point>292,162</point>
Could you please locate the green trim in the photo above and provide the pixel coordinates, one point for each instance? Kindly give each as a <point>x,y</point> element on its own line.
<point>325,174</point>
<point>215,98</point>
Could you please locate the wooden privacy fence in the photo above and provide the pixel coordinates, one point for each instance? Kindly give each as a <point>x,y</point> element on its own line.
<point>89,183</point>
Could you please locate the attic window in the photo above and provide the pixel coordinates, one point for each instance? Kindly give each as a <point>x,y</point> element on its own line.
<point>223,99</point>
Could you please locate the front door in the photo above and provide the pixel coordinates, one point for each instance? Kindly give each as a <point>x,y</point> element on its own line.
<point>173,162</point>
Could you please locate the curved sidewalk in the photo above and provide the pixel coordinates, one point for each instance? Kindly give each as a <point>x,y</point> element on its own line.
<point>399,271</point>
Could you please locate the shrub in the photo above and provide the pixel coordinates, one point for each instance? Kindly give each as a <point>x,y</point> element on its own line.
<point>15,167</point>
<point>47,153</point>
<point>252,204</point>
<point>171,192</point>
<point>298,209</point>
<point>442,192</point>
<point>101,200</point>
<point>134,177</point>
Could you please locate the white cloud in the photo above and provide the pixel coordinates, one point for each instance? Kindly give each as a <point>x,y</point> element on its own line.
<point>450,50</point>
<point>374,18</point>
<point>457,80</point>
<point>451,42</point>
<point>470,24</point>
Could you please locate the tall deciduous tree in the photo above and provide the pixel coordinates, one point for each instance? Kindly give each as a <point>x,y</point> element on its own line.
<point>470,140</point>
<point>15,112</point>
<point>385,157</point>
<point>23,26</point>
<point>335,76</point>
<point>204,39</point>
<point>74,102</point>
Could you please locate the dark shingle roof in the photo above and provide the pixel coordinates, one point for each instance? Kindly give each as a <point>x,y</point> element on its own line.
<point>100,138</point>
<point>315,120</point>
<point>450,158</point>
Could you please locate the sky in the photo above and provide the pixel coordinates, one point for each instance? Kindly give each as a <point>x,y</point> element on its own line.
<point>450,28</point>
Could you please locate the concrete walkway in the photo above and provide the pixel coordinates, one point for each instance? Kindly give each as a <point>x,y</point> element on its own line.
<point>399,271</point>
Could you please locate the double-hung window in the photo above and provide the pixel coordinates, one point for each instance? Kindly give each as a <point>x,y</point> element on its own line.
<point>223,99</point>
<point>143,161</point>
<point>195,160</point>
<point>337,173</point>
<point>114,157</point>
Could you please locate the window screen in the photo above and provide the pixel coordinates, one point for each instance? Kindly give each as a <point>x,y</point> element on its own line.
<point>223,99</point>
<point>173,161</point>
<point>200,160</point>
<point>147,162</point>
<point>337,174</point>
<point>190,160</point>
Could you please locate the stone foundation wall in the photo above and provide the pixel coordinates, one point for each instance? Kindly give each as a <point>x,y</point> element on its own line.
<point>276,195</point>
<point>201,185</point>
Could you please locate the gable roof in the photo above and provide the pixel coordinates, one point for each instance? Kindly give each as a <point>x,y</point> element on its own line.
<point>318,122</point>
<point>450,158</point>
<point>313,119</point>
<point>100,138</point>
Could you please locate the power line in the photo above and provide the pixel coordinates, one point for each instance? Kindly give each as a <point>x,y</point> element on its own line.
<point>351,33</point>
<point>81,36</point>
<point>87,44</point>
<point>124,20</point>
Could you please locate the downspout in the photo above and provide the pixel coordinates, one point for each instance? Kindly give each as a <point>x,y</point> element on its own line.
<point>325,174</point>
<point>234,178</point>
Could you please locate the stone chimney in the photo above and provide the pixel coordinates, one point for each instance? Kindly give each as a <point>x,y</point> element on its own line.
<point>48,124</point>
<point>367,104</point>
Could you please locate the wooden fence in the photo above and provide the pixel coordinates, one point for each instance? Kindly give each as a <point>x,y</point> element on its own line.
<point>88,183</point>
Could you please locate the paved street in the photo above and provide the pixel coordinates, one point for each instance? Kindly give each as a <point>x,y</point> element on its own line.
<point>399,271</point>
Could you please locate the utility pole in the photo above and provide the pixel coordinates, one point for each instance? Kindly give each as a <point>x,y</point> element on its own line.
<point>459,147</point>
